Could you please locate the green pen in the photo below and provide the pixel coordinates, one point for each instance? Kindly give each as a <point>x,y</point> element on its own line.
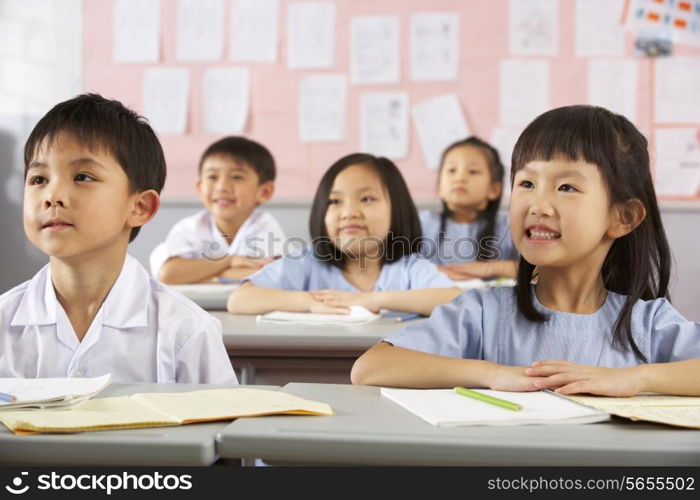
<point>508,405</point>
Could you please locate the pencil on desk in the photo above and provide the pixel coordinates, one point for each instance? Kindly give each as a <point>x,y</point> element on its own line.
<point>509,405</point>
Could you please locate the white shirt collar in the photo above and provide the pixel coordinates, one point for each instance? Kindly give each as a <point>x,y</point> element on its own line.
<point>126,305</point>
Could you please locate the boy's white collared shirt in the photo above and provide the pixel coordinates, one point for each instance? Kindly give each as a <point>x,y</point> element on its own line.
<point>143,332</point>
<point>197,236</point>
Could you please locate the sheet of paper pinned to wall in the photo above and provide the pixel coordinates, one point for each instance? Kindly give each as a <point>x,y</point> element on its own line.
<point>322,108</point>
<point>226,98</point>
<point>534,27</point>
<point>165,98</point>
<point>254,30</point>
<point>599,30</point>
<point>677,98</point>
<point>311,35</point>
<point>136,31</point>
<point>504,139</point>
<point>200,30</point>
<point>439,122</point>
<point>384,123</point>
<point>434,47</point>
<point>524,90</point>
<point>677,161</point>
<point>374,49</point>
<point>612,83</point>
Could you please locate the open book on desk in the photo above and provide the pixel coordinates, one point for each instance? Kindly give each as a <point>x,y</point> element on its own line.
<point>446,408</point>
<point>679,411</point>
<point>49,392</point>
<point>160,410</point>
<point>358,316</point>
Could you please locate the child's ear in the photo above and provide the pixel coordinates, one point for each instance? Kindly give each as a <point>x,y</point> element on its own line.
<point>146,205</point>
<point>625,217</point>
<point>495,190</point>
<point>265,191</point>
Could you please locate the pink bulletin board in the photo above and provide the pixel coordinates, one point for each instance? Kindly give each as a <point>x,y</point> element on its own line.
<point>273,116</point>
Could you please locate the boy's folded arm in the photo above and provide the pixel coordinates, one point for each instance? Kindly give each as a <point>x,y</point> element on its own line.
<point>179,270</point>
<point>251,299</point>
<point>420,301</point>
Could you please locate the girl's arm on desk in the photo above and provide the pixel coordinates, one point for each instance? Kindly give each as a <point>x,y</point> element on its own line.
<point>386,365</point>
<point>679,378</point>
<point>251,299</point>
<point>421,301</point>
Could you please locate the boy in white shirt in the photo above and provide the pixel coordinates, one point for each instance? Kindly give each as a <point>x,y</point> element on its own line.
<point>231,238</point>
<point>93,173</point>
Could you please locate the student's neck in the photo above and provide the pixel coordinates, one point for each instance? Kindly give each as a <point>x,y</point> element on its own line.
<point>362,273</point>
<point>463,215</point>
<point>229,227</point>
<point>575,291</point>
<point>83,282</point>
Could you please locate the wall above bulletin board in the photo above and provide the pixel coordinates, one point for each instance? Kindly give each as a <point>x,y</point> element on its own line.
<point>316,80</point>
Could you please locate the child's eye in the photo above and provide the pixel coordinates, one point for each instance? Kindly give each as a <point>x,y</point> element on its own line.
<point>474,172</point>
<point>333,201</point>
<point>36,179</point>
<point>84,178</point>
<point>238,178</point>
<point>567,188</point>
<point>526,184</point>
<point>211,177</point>
<point>366,199</point>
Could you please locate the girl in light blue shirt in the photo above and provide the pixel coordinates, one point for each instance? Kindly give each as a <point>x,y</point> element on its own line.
<point>365,235</point>
<point>468,238</point>
<point>589,313</point>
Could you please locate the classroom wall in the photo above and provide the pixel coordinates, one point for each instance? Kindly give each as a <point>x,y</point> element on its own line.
<point>44,58</point>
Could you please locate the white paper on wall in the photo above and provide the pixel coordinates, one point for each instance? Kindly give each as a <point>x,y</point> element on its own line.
<point>226,99</point>
<point>254,30</point>
<point>434,46</point>
<point>524,90</point>
<point>384,124</point>
<point>136,31</point>
<point>677,170</point>
<point>439,122</point>
<point>677,98</point>
<point>599,30</point>
<point>534,27</point>
<point>612,84</point>
<point>374,52</point>
<point>322,108</point>
<point>311,35</point>
<point>200,30</point>
<point>165,98</point>
<point>504,139</point>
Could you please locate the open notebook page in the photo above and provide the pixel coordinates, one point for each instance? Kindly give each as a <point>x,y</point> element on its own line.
<point>358,316</point>
<point>50,391</point>
<point>446,408</point>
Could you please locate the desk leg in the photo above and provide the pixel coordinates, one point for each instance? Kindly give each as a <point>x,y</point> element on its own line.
<point>247,374</point>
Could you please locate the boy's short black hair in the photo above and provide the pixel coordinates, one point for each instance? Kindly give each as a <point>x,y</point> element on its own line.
<point>105,125</point>
<point>252,153</point>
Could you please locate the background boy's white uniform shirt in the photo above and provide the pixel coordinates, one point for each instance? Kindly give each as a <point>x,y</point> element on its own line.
<point>143,332</point>
<point>197,236</point>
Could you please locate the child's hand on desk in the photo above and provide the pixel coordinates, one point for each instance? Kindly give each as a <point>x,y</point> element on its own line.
<point>243,261</point>
<point>320,307</point>
<point>468,270</point>
<point>570,378</point>
<point>336,298</point>
<point>511,378</point>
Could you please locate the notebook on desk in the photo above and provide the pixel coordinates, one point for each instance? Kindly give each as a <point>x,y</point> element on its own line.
<point>358,316</point>
<point>160,410</point>
<point>48,392</point>
<point>446,408</point>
